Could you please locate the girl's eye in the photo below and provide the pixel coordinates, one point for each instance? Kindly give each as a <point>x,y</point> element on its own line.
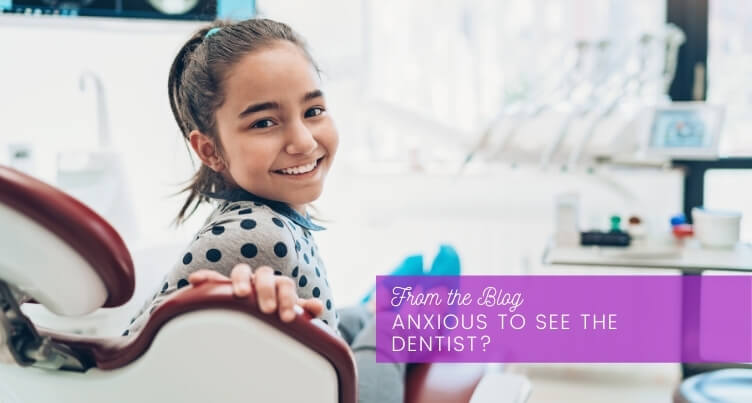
<point>262,124</point>
<point>315,111</point>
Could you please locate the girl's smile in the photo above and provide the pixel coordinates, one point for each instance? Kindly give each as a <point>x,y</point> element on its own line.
<point>300,170</point>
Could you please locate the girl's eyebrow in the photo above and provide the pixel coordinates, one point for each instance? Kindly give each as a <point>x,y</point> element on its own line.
<point>274,105</point>
<point>258,107</point>
<point>311,95</point>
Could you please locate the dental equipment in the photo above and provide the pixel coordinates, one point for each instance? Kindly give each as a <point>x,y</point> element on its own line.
<point>582,106</point>
<point>598,83</point>
<point>521,111</point>
<point>609,107</point>
<point>561,92</point>
<point>672,39</point>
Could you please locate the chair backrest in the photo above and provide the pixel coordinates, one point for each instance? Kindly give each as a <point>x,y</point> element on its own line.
<point>194,347</point>
<point>58,251</point>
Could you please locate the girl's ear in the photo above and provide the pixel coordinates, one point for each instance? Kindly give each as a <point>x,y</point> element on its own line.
<point>204,147</point>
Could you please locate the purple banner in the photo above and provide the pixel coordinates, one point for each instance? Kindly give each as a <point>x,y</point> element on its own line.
<point>669,318</point>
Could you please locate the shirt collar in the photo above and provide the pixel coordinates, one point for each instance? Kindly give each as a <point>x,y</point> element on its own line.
<point>233,195</point>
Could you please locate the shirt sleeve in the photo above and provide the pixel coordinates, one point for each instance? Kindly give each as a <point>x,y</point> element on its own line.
<point>232,238</point>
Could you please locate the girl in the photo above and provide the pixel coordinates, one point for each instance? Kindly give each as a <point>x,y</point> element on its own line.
<point>247,98</point>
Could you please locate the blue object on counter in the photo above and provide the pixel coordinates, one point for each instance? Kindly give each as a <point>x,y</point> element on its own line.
<point>678,219</point>
<point>726,385</point>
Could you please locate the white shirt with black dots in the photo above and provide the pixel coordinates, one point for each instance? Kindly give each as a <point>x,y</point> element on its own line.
<point>253,233</point>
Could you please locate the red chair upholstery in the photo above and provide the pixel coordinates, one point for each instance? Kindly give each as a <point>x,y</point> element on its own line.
<point>80,227</point>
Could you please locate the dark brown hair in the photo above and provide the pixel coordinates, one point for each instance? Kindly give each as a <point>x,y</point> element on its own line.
<point>196,88</point>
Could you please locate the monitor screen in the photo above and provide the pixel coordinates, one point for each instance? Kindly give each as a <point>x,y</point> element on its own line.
<point>677,128</point>
<point>159,9</point>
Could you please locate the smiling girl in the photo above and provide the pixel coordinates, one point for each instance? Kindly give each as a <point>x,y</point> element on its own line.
<point>248,100</point>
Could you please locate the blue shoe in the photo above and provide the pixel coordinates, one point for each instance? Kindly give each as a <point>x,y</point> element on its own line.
<point>411,266</point>
<point>446,262</point>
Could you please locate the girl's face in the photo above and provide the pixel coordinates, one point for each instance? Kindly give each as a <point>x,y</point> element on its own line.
<point>277,137</point>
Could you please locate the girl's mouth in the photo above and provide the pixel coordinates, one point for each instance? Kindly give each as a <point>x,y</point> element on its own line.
<point>301,170</point>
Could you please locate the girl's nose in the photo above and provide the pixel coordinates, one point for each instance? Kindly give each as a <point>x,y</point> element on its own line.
<point>301,140</point>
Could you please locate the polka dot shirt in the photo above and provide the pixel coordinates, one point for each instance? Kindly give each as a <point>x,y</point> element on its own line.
<point>257,232</point>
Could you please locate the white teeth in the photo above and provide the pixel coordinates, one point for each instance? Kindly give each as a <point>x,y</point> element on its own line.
<point>301,169</point>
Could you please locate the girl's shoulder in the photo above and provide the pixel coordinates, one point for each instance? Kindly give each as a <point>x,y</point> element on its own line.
<point>247,220</point>
<point>243,232</point>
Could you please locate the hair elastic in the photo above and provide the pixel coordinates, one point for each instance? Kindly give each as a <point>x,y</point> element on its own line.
<point>211,32</point>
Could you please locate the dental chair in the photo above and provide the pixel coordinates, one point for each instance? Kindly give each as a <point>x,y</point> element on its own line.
<point>201,345</point>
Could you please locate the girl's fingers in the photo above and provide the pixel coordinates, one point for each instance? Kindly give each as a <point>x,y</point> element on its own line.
<point>241,280</point>
<point>263,279</point>
<point>286,297</point>
<point>200,276</point>
<point>272,291</point>
<point>313,305</point>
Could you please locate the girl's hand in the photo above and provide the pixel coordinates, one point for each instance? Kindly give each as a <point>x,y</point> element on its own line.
<point>273,293</point>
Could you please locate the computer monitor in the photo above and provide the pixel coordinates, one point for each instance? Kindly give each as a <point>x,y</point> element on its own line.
<point>683,130</point>
<point>205,10</point>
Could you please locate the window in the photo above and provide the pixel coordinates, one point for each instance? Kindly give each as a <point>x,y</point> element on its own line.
<point>729,66</point>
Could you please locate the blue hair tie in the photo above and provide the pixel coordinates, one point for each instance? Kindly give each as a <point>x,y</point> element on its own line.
<point>211,32</point>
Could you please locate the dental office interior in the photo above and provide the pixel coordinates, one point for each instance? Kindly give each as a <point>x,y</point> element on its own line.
<point>532,136</point>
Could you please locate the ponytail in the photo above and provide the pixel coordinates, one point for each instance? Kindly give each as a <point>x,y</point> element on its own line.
<point>204,180</point>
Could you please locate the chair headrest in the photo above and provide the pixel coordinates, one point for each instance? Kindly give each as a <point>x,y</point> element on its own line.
<point>57,250</point>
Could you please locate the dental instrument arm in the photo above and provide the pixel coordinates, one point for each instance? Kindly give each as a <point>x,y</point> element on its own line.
<point>611,106</point>
<point>588,87</point>
<point>561,93</point>
<point>674,38</point>
<point>519,109</point>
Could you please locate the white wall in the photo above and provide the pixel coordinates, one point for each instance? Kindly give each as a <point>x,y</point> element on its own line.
<point>41,104</point>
